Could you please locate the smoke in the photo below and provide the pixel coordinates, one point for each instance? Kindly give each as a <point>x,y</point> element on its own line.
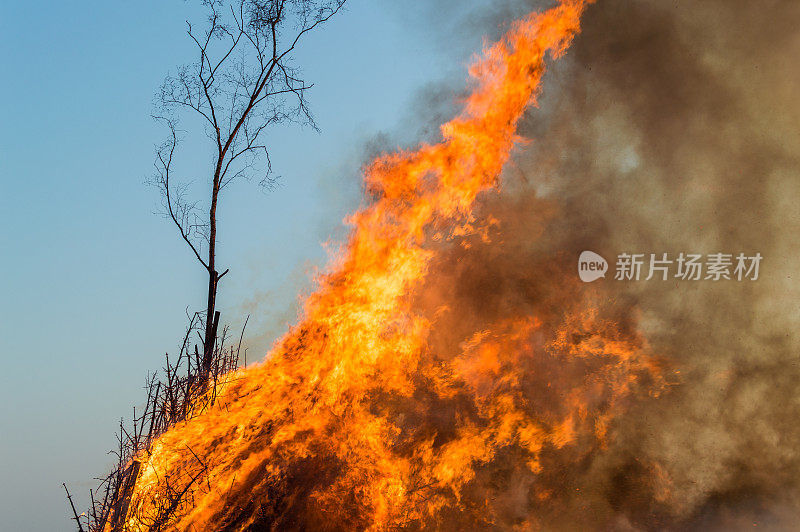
<point>670,127</point>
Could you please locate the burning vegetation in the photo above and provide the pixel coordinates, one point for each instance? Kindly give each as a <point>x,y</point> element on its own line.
<point>379,410</point>
<point>430,384</point>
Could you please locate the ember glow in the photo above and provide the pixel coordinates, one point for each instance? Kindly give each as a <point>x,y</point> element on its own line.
<point>357,420</point>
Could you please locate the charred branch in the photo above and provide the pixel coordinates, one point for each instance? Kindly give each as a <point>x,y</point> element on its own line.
<point>74,512</point>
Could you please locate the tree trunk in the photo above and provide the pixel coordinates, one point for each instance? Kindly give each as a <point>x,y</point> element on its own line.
<point>212,319</point>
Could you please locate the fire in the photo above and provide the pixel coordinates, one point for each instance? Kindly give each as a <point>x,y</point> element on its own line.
<point>354,421</point>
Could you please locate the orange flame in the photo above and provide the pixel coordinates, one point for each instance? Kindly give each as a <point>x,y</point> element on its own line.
<point>352,421</point>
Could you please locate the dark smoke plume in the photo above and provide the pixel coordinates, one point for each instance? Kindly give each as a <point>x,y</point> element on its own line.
<point>670,127</point>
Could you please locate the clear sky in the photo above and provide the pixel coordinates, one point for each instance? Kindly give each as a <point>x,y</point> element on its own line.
<point>94,285</point>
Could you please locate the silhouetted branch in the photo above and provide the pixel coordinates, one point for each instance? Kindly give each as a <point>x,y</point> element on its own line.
<point>74,512</point>
<point>180,395</point>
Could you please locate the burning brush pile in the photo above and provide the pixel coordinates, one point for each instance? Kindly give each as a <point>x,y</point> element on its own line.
<point>404,399</point>
<point>388,408</point>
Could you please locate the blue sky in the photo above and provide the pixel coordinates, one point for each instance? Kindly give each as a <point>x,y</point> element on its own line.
<point>94,284</point>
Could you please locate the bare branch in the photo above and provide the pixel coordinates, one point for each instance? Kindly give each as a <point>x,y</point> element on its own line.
<point>177,210</point>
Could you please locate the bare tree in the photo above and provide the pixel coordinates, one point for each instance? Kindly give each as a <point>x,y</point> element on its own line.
<point>243,82</point>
